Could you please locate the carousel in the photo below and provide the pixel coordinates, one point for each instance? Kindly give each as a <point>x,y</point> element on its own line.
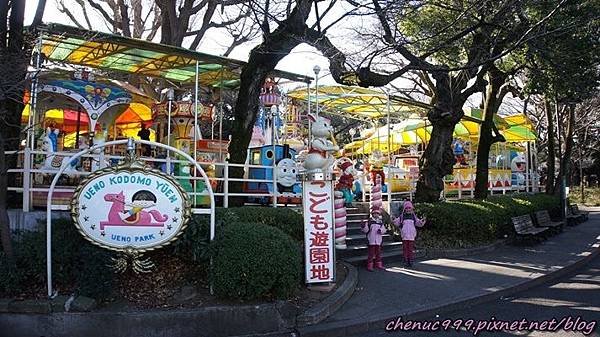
<point>88,88</point>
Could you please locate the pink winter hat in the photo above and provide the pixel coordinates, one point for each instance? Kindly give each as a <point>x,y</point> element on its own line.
<point>408,205</point>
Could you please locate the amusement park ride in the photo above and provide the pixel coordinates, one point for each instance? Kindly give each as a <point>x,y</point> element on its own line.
<point>70,110</point>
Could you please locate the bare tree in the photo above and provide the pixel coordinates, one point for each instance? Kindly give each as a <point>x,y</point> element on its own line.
<point>15,51</point>
<point>456,51</point>
<point>177,21</point>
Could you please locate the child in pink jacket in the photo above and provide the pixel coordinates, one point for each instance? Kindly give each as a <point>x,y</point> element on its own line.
<point>407,223</point>
<point>374,229</point>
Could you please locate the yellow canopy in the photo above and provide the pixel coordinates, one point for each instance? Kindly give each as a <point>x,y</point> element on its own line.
<point>356,102</point>
<point>414,130</point>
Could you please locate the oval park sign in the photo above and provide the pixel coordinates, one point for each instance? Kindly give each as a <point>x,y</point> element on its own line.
<point>130,207</point>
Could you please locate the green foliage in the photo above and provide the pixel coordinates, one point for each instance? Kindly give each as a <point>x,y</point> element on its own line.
<point>592,196</point>
<point>473,222</point>
<point>76,263</point>
<point>193,243</point>
<point>429,27</point>
<point>93,277</point>
<point>11,278</point>
<point>253,261</point>
<point>286,219</point>
<point>563,62</point>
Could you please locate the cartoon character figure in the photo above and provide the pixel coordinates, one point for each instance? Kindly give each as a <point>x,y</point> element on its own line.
<point>517,166</point>
<point>346,181</point>
<point>152,218</point>
<point>97,95</point>
<point>319,157</point>
<point>459,152</point>
<point>53,161</point>
<point>140,200</point>
<point>376,166</point>
<point>286,175</point>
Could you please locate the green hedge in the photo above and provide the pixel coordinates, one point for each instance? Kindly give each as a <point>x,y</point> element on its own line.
<point>471,222</point>
<point>253,260</point>
<point>193,243</point>
<point>286,219</point>
<point>76,264</point>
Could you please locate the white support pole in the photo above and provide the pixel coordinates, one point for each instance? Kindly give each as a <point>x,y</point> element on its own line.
<point>459,179</point>
<point>26,179</point>
<point>196,130</point>
<point>273,113</point>
<point>308,109</point>
<point>536,186</point>
<point>226,184</point>
<point>30,141</point>
<point>170,97</point>
<point>66,164</point>
<point>389,148</point>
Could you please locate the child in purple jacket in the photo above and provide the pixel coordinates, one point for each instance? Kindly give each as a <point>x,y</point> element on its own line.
<point>374,229</point>
<point>407,223</point>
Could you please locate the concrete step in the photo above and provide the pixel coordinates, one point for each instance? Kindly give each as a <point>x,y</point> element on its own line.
<point>361,250</point>
<point>360,239</point>
<point>356,222</point>
<point>387,257</point>
<point>357,215</point>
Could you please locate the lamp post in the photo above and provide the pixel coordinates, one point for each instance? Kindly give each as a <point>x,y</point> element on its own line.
<point>274,112</point>
<point>316,70</point>
<point>170,99</point>
<point>352,132</point>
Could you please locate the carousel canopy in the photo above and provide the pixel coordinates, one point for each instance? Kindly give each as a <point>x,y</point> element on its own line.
<point>73,45</point>
<point>414,130</point>
<point>66,120</point>
<point>357,102</point>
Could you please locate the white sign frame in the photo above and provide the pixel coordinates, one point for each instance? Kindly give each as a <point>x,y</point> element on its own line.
<point>102,206</point>
<point>317,202</point>
<point>131,146</point>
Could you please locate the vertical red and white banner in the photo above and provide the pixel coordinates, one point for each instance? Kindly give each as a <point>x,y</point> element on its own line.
<point>319,223</point>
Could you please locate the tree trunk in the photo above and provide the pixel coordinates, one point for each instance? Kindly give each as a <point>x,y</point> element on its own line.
<point>5,234</point>
<point>565,161</point>
<point>14,56</point>
<point>263,59</point>
<point>488,134</point>
<point>438,160</point>
<point>551,151</point>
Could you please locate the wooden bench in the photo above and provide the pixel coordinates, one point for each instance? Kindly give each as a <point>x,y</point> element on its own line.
<point>573,219</point>
<point>524,227</point>
<point>576,211</point>
<point>544,220</point>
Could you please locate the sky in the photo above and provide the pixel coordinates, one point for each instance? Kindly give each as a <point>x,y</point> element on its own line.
<point>301,60</point>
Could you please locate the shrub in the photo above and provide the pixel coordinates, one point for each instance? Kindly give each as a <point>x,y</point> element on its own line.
<point>94,278</point>
<point>254,261</point>
<point>193,243</point>
<point>75,262</point>
<point>286,219</point>
<point>470,222</point>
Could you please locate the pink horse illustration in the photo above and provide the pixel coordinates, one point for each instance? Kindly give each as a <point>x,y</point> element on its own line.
<point>142,218</point>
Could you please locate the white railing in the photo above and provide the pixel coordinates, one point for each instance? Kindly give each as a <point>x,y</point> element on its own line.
<point>29,173</point>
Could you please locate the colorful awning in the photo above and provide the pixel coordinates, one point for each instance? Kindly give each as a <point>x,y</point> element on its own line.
<point>414,130</point>
<point>72,45</point>
<point>357,102</point>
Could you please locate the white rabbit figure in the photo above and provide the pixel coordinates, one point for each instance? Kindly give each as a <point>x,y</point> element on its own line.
<point>319,157</point>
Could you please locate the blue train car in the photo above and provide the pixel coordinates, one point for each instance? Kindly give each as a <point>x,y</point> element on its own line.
<point>264,156</point>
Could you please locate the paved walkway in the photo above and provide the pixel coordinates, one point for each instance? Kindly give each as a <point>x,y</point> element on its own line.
<point>440,282</point>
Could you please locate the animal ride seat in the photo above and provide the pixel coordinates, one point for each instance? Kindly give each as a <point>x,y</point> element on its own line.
<point>132,219</point>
